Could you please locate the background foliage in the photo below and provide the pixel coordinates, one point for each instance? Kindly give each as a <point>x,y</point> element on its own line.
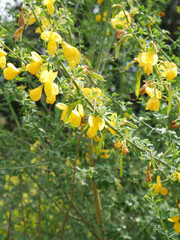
<point>38,149</point>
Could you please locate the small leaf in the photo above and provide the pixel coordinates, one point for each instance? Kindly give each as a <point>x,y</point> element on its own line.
<point>169,99</point>
<point>128,66</point>
<point>138,83</point>
<point>100,144</point>
<point>97,76</point>
<point>72,106</point>
<point>117,48</point>
<point>152,161</point>
<point>88,61</point>
<point>85,127</point>
<point>121,164</point>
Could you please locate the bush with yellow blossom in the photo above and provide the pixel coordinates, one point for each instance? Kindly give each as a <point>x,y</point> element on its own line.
<point>75,134</point>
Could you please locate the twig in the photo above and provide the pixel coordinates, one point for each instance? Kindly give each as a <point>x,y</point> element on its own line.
<point>83,219</point>
<point>104,36</point>
<point>9,225</point>
<point>17,56</point>
<point>73,186</point>
<point>22,205</point>
<point>39,216</point>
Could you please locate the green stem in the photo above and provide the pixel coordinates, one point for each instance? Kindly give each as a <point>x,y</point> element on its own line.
<point>156,25</point>
<point>14,115</point>
<point>96,195</point>
<point>37,20</point>
<point>17,56</point>
<point>99,59</point>
<point>159,217</point>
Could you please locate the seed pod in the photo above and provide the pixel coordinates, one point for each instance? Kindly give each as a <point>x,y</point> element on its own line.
<point>21,20</point>
<point>18,33</point>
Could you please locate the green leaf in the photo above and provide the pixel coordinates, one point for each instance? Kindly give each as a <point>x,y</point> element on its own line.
<point>121,164</point>
<point>72,106</point>
<point>117,48</point>
<point>169,99</point>
<point>97,76</point>
<point>85,127</point>
<point>88,61</point>
<point>100,144</point>
<point>138,83</point>
<point>128,66</point>
<point>152,162</point>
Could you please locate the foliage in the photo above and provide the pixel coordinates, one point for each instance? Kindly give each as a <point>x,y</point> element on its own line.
<point>89,122</point>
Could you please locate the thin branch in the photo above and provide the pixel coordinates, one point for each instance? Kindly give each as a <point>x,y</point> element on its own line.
<point>22,205</point>
<point>9,225</point>
<point>73,186</point>
<point>83,219</point>
<point>39,217</point>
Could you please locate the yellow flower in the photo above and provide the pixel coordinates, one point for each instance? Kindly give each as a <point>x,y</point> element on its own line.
<point>52,38</point>
<point>158,187</point>
<point>34,147</point>
<point>49,5</point>
<point>36,62</point>
<point>169,70</point>
<point>15,180</point>
<point>50,88</point>
<point>105,153</point>
<point>35,94</point>
<point>2,59</point>
<point>104,15</point>
<point>99,2</point>
<point>113,119</point>
<point>98,18</point>
<point>46,25</point>
<point>32,18</point>
<point>153,103</point>
<point>120,22</point>
<point>176,176</point>
<point>147,60</point>
<point>87,92</point>
<point>96,123</point>
<point>11,71</point>
<point>176,220</point>
<point>75,116</point>
<point>95,94</point>
<point>72,55</point>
